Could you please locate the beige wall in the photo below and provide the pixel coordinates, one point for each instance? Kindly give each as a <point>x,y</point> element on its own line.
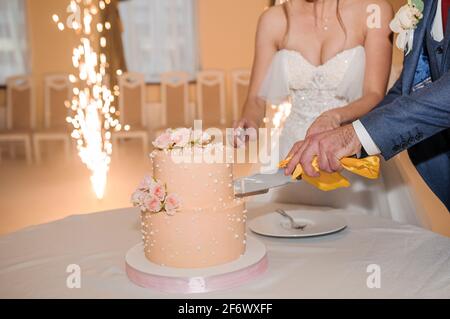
<point>437,216</point>
<point>51,49</point>
<point>226,39</point>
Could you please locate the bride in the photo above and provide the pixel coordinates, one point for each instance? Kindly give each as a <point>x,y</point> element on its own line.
<point>332,61</point>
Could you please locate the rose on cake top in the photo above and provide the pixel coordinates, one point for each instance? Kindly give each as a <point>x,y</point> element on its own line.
<point>181,138</point>
<point>152,196</point>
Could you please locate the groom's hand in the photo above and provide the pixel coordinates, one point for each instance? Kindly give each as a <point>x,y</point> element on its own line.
<point>330,147</point>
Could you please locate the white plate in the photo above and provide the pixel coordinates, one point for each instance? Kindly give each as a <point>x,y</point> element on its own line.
<point>318,224</point>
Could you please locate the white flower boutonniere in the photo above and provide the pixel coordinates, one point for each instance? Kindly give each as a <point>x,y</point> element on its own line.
<point>405,22</point>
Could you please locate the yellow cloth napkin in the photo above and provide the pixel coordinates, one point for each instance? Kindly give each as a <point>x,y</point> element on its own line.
<point>368,167</point>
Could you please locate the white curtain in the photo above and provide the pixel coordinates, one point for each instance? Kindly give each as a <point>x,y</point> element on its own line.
<point>160,36</point>
<point>13,39</point>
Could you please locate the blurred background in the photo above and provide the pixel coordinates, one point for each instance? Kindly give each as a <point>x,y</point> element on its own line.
<point>164,63</point>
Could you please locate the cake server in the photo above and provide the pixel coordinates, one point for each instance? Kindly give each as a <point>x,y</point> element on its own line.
<point>258,184</point>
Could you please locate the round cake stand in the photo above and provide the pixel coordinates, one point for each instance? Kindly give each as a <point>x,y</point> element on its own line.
<point>146,274</point>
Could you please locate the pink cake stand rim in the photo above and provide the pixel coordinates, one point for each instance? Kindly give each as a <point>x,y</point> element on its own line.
<point>198,284</point>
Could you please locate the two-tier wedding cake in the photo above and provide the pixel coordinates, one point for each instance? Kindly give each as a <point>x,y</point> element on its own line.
<point>190,216</point>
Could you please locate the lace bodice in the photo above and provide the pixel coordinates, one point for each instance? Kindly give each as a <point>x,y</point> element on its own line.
<point>312,89</point>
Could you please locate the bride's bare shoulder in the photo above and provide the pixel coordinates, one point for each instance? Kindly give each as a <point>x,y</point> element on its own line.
<point>273,21</point>
<point>384,6</point>
<point>365,10</point>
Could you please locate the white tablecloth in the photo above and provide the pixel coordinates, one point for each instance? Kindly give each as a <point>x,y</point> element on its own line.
<point>414,262</point>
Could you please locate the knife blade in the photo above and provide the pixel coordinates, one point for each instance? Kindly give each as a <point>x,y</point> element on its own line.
<point>258,184</point>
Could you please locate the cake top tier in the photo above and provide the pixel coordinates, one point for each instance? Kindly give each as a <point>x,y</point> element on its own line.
<point>190,173</point>
<point>200,185</point>
<point>182,138</point>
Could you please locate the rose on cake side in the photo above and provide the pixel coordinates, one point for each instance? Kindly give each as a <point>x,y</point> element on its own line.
<point>152,196</point>
<point>181,138</point>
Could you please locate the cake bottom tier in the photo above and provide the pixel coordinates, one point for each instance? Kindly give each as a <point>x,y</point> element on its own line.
<point>192,239</point>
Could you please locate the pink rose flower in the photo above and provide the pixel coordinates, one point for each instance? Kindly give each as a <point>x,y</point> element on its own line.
<point>172,203</point>
<point>146,183</point>
<point>181,137</point>
<point>164,141</point>
<point>153,204</point>
<point>158,190</point>
<point>136,197</point>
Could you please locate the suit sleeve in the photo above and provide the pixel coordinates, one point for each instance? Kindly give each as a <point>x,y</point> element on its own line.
<point>368,145</point>
<point>400,122</point>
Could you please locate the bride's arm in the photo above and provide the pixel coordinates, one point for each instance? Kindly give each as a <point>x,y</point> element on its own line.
<point>270,32</point>
<point>378,48</point>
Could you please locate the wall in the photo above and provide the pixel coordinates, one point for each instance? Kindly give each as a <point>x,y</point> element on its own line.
<point>51,50</point>
<point>435,213</point>
<point>226,39</point>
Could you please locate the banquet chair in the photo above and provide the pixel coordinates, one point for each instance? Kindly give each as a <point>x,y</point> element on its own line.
<point>211,107</point>
<point>132,110</point>
<point>240,81</point>
<point>57,94</point>
<point>2,126</point>
<point>2,117</point>
<point>20,114</point>
<point>177,111</point>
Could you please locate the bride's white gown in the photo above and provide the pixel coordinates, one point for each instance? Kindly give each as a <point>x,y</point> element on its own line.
<point>313,90</point>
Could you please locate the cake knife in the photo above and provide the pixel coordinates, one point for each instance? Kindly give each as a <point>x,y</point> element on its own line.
<point>258,184</point>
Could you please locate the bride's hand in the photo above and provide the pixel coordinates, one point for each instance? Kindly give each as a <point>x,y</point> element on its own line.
<point>327,121</point>
<point>244,129</point>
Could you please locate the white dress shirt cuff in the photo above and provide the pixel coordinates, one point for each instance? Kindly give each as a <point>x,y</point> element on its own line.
<point>366,141</point>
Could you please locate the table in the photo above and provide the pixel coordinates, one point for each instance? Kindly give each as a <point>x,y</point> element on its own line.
<point>413,262</point>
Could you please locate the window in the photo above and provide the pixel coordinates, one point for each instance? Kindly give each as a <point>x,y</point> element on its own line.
<point>160,36</point>
<point>13,39</point>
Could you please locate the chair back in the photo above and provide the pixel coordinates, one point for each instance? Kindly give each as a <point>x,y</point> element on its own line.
<point>175,99</point>
<point>240,82</point>
<point>20,105</point>
<point>132,99</point>
<point>57,96</point>
<point>211,104</point>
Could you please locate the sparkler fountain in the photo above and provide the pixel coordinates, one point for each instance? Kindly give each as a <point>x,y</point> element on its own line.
<point>94,115</point>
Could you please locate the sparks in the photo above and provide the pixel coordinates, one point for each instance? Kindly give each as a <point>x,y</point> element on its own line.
<point>281,114</point>
<point>92,102</point>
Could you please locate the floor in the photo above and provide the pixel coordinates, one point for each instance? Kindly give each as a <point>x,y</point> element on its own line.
<point>58,187</point>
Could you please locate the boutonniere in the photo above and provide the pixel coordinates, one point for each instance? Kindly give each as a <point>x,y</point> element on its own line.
<point>405,22</point>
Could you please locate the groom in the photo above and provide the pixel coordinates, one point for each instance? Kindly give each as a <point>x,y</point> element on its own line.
<point>415,114</point>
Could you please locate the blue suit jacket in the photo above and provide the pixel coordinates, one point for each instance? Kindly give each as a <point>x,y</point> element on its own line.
<point>415,114</point>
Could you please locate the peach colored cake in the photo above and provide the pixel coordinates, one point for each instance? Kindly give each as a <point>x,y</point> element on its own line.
<point>201,223</point>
